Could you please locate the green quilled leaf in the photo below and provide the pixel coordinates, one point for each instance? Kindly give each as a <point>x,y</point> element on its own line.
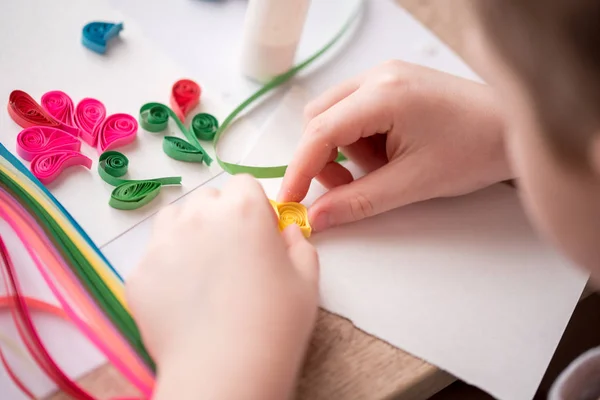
<point>154,117</point>
<point>129,194</point>
<point>179,149</point>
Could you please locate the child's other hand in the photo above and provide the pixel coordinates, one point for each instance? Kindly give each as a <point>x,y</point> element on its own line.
<point>222,293</point>
<point>417,132</point>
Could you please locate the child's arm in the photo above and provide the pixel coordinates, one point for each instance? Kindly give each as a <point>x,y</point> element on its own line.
<point>419,133</point>
<point>224,301</point>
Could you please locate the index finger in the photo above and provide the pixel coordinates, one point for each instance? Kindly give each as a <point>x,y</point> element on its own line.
<point>355,117</point>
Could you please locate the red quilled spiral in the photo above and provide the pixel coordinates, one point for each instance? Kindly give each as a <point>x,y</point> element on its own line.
<point>26,112</point>
<point>185,95</point>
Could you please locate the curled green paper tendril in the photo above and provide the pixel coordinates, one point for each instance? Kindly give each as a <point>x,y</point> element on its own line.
<point>154,117</point>
<point>129,194</point>
<point>277,171</point>
<point>204,126</point>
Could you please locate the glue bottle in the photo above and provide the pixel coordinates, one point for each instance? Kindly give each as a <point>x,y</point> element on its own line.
<point>272,30</point>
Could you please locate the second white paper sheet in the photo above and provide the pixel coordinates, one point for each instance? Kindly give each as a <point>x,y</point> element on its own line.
<point>463,283</point>
<point>41,50</point>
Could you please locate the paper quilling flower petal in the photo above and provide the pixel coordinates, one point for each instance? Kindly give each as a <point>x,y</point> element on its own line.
<point>185,95</point>
<point>89,114</point>
<point>43,139</point>
<point>115,131</point>
<point>60,106</point>
<point>26,112</point>
<point>47,167</point>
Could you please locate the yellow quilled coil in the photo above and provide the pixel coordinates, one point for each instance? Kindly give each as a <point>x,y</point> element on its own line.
<point>292,214</point>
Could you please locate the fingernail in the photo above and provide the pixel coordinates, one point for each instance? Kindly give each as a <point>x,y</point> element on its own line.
<point>322,221</point>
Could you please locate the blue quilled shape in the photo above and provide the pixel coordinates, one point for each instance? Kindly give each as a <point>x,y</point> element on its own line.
<point>97,34</point>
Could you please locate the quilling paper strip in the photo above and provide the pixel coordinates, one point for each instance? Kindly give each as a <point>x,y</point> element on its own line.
<point>76,272</point>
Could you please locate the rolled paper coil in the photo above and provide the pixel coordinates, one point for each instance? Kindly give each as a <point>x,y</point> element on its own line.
<point>292,213</point>
<point>204,126</point>
<point>38,140</point>
<point>129,194</point>
<point>60,106</point>
<point>134,194</point>
<point>26,112</point>
<point>112,165</point>
<point>48,166</point>
<point>89,115</point>
<point>96,35</point>
<point>185,95</point>
<point>154,117</point>
<point>179,149</point>
<point>115,131</point>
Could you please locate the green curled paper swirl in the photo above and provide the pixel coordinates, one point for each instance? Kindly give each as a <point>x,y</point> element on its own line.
<point>204,126</point>
<point>111,166</point>
<point>132,195</point>
<point>129,194</point>
<point>154,117</point>
<point>179,149</point>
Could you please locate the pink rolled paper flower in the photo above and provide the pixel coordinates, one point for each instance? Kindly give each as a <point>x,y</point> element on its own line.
<point>48,166</point>
<point>60,106</point>
<point>43,139</point>
<point>115,131</point>
<point>89,114</point>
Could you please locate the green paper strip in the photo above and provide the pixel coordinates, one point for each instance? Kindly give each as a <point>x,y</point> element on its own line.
<point>277,171</point>
<point>94,284</point>
<point>129,194</point>
<point>154,117</point>
<point>204,126</point>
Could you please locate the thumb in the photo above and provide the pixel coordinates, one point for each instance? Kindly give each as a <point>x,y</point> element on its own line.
<point>302,253</point>
<point>397,183</point>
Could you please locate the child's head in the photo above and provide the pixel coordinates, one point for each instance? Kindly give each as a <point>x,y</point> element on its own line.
<point>544,59</point>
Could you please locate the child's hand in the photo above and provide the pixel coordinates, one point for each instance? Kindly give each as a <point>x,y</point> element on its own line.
<point>419,134</point>
<point>224,301</point>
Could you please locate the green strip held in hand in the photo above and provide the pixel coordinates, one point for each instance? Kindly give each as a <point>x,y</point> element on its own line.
<point>154,117</point>
<point>277,171</point>
<point>129,194</point>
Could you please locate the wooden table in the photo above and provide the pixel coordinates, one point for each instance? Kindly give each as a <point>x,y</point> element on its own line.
<point>344,362</point>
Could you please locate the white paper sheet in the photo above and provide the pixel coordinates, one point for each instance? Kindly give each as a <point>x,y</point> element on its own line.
<point>40,50</point>
<point>203,37</point>
<point>463,283</point>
